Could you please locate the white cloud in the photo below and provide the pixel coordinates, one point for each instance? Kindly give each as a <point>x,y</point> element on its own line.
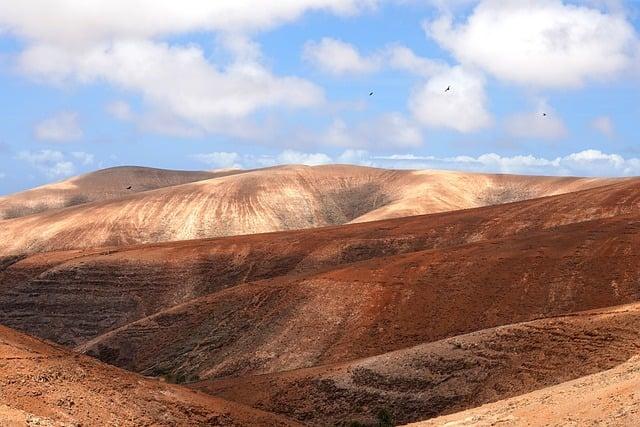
<point>604,125</point>
<point>356,157</point>
<point>120,110</point>
<point>86,42</point>
<point>540,43</point>
<point>177,81</point>
<point>543,123</point>
<point>463,108</point>
<point>296,157</point>
<point>75,22</point>
<point>62,127</point>
<point>384,131</point>
<point>220,160</point>
<point>584,163</point>
<point>338,58</point>
<point>240,161</point>
<point>402,58</point>
<point>50,162</point>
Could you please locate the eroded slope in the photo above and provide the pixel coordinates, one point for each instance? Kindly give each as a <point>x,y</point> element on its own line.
<point>445,376</point>
<point>275,199</point>
<point>106,184</point>
<point>41,384</point>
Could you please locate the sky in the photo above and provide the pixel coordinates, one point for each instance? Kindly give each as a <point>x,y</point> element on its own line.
<point>546,87</point>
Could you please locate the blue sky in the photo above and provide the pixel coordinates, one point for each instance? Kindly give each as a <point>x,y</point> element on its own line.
<point>189,85</point>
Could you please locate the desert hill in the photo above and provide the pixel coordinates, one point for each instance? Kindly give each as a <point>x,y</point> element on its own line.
<point>444,376</point>
<point>421,316</point>
<point>70,297</point>
<point>274,199</point>
<point>383,304</point>
<point>102,185</point>
<point>43,384</point>
<point>607,398</point>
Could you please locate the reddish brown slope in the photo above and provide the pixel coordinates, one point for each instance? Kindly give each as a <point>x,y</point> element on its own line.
<point>445,376</point>
<point>41,384</point>
<point>609,398</point>
<point>384,304</point>
<point>73,296</point>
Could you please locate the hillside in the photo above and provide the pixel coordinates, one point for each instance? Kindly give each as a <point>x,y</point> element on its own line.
<point>421,316</point>
<point>275,199</point>
<point>42,384</point>
<point>445,376</point>
<point>41,294</point>
<point>102,185</point>
<point>608,398</point>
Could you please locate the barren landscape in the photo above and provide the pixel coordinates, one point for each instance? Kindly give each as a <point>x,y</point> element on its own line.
<point>507,286</point>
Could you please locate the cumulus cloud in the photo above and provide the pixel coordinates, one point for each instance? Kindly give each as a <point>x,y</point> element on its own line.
<point>74,42</point>
<point>52,163</point>
<point>220,160</point>
<point>544,43</point>
<point>402,58</point>
<point>583,163</point>
<point>463,108</point>
<point>604,125</point>
<point>176,80</point>
<point>244,161</point>
<point>75,22</point>
<point>62,127</point>
<point>296,157</point>
<point>338,58</point>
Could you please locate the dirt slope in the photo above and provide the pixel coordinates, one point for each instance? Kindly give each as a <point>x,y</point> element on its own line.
<point>274,199</point>
<point>609,398</point>
<point>384,304</point>
<point>106,184</point>
<point>42,384</point>
<point>70,297</point>
<point>73,296</point>
<point>445,376</point>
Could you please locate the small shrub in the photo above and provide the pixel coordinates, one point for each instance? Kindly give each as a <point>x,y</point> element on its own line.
<point>385,419</point>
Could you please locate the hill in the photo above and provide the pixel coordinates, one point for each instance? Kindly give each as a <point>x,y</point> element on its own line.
<point>43,384</point>
<point>266,200</point>
<point>102,185</point>
<point>607,398</point>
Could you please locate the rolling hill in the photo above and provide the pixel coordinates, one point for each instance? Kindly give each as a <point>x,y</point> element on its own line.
<point>491,295</point>
<point>102,185</point>
<point>274,199</point>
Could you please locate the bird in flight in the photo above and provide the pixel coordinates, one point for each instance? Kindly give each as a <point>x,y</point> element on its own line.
<point>129,188</point>
<point>370,93</point>
<point>448,89</point>
<point>544,114</point>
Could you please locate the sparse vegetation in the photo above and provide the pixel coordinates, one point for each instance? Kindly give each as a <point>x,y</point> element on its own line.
<point>385,418</point>
<point>78,199</point>
<point>18,211</point>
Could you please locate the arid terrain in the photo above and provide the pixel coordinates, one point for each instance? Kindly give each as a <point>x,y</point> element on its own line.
<point>274,199</point>
<point>332,295</point>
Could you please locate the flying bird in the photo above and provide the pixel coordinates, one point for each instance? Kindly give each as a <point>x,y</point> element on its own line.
<point>448,89</point>
<point>129,187</point>
<point>544,114</point>
<point>370,93</point>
